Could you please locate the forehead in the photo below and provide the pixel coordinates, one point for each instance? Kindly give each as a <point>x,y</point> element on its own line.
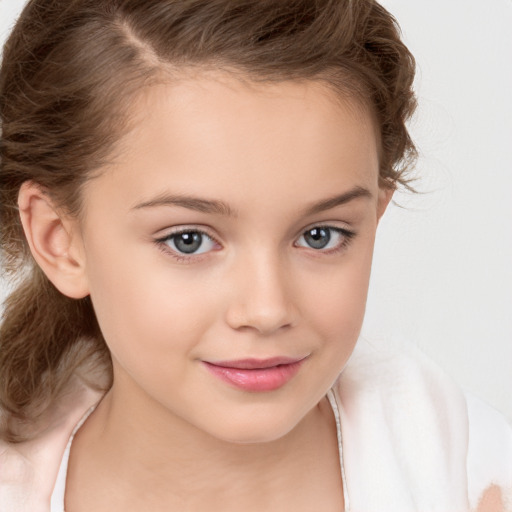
<point>222,136</point>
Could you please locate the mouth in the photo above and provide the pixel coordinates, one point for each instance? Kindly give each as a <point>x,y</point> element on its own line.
<point>256,375</point>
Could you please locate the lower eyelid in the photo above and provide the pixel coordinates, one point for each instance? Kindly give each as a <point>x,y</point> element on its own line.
<point>163,245</point>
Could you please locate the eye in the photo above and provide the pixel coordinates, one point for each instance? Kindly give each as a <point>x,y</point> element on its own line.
<point>325,238</point>
<point>189,242</point>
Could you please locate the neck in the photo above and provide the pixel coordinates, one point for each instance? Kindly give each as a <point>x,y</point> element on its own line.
<point>153,455</point>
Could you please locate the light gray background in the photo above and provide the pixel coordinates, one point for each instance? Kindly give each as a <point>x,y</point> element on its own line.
<point>442,276</point>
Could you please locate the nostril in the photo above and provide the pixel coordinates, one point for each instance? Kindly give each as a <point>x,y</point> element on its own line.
<point>261,298</point>
<point>264,322</point>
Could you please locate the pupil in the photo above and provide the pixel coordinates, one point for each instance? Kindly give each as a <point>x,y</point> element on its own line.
<point>317,238</point>
<point>188,242</point>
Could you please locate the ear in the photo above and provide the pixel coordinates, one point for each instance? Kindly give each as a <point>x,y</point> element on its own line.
<point>384,198</point>
<point>54,241</point>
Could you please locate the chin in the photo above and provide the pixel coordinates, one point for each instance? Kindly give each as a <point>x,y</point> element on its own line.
<point>261,427</point>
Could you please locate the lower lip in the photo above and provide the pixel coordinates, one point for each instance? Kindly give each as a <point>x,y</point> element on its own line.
<point>261,379</point>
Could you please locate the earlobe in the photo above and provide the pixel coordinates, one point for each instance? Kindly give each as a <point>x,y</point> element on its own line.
<point>52,240</point>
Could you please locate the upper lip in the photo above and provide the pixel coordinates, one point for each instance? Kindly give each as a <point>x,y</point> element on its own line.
<point>257,364</point>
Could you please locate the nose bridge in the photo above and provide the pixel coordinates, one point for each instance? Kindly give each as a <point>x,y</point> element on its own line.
<point>261,296</point>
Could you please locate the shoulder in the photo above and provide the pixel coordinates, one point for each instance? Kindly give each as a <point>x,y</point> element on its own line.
<point>410,427</point>
<point>28,470</point>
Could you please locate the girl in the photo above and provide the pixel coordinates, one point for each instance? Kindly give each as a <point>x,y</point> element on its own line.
<point>190,194</point>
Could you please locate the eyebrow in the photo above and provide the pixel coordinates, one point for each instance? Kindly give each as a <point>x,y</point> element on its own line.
<point>190,202</point>
<point>221,208</point>
<point>337,200</point>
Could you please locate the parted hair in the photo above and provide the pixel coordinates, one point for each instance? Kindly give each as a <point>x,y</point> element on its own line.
<point>70,71</point>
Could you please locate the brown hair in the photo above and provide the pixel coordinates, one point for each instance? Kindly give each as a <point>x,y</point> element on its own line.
<point>70,70</point>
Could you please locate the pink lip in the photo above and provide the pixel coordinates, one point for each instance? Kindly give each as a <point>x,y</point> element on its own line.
<point>256,374</point>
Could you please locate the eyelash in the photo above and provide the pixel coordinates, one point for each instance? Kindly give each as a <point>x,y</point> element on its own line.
<point>181,257</point>
<point>162,242</point>
<point>347,237</point>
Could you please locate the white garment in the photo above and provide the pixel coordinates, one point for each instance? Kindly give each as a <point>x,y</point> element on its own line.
<point>412,442</point>
<point>59,490</point>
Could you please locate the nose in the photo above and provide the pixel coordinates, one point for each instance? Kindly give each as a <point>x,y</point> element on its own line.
<point>261,299</point>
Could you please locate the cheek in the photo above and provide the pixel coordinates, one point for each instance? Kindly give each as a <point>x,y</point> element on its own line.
<point>146,311</point>
<point>338,306</point>
<point>153,332</point>
<point>341,300</point>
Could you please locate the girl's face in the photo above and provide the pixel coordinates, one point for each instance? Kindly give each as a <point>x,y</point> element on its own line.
<point>228,250</point>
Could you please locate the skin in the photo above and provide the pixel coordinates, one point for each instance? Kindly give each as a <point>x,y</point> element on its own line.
<point>170,435</point>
